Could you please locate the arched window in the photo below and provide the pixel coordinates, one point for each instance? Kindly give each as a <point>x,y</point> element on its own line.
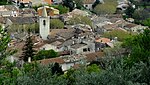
<point>44,22</point>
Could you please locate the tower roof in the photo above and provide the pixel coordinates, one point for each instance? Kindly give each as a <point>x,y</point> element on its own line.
<point>44,12</point>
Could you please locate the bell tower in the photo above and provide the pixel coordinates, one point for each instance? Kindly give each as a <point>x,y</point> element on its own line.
<point>44,23</point>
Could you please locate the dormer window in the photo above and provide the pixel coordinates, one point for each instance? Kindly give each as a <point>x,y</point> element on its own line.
<point>44,22</point>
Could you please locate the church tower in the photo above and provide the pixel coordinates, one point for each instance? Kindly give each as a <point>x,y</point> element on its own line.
<point>44,24</point>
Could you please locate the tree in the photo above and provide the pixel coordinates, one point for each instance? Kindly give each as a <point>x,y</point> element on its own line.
<point>28,50</point>
<point>93,68</point>
<point>80,20</point>
<point>139,46</point>
<point>141,14</point>
<point>79,4</point>
<point>4,41</point>
<point>147,22</point>
<point>129,11</point>
<point>4,2</point>
<point>56,69</point>
<point>44,54</point>
<point>69,3</point>
<point>120,34</point>
<point>108,7</point>
<point>62,9</point>
<point>56,24</point>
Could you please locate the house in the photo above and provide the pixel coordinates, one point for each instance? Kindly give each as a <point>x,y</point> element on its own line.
<point>27,12</point>
<point>20,24</point>
<point>9,10</point>
<point>24,3</point>
<point>134,28</point>
<point>65,62</point>
<point>101,43</point>
<point>64,34</point>
<point>79,48</point>
<point>55,45</point>
<point>50,11</point>
<point>88,4</point>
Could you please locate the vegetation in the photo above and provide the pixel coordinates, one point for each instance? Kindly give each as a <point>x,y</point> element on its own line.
<point>69,3</point>
<point>129,11</point>
<point>62,9</point>
<point>24,28</point>
<point>56,69</point>
<point>5,2</point>
<point>120,34</point>
<point>147,22</point>
<point>4,41</point>
<point>44,54</point>
<point>80,20</point>
<point>56,23</point>
<point>109,7</point>
<point>116,70</point>
<point>139,46</point>
<point>140,13</point>
<point>79,4</point>
<point>28,50</point>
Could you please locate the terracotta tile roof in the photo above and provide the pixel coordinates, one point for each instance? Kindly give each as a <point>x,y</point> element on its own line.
<point>52,60</point>
<point>103,40</point>
<point>48,1</point>
<point>94,56</point>
<point>76,66</point>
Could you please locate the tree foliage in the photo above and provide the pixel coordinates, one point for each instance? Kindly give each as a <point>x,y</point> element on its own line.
<point>147,22</point>
<point>79,3</point>
<point>62,9</point>
<point>80,20</point>
<point>56,69</point>
<point>139,46</point>
<point>4,41</point>
<point>129,11</point>
<point>5,2</point>
<point>69,3</point>
<point>109,7</point>
<point>28,50</point>
<point>116,71</point>
<point>44,54</point>
<point>56,24</point>
<point>120,34</point>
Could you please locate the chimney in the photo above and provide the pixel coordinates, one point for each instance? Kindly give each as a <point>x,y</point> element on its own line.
<point>29,59</point>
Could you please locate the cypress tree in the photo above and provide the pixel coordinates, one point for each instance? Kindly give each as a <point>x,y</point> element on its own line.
<point>28,50</point>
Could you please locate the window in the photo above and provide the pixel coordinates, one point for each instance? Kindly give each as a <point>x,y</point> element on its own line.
<point>84,50</point>
<point>88,49</point>
<point>44,22</point>
<point>86,5</point>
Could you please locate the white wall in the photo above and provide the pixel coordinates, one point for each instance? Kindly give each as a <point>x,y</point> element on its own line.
<point>88,6</point>
<point>66,66</point>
